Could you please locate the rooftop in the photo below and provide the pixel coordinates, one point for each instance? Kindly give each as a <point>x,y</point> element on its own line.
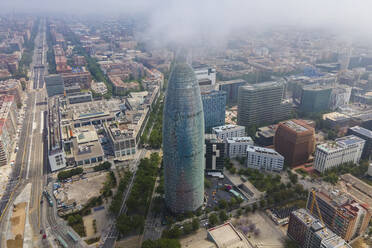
<point>263,150</point>
<point>295,126</point>
<point>264,85</point>
<point>226,127</point>
<point>363,131</point>
<point>225,236</point>
<point>239,140</point>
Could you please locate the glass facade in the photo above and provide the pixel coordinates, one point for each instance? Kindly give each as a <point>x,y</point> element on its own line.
<point>183,141</point>
<point>214,104</point>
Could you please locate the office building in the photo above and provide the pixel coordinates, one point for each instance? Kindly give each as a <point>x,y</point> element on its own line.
<point>237,146</point>
<point>80,77</point>
<point>265,135</point>
<point>214,153</point>
<point>183,141</point>
<point>262,103</point>
<point>340,96</point>
<point>206,77</point>
<point>341,213</point>
<point>315,98</point>
<point>294,139</point>
<point>54,85</point>
<point>261,158</point>
<point>365,134</point>
<point>231,88</point>
<point>342,150</point>
<point>79,97</point>
<point>214,104</point>
<point>229,131</point>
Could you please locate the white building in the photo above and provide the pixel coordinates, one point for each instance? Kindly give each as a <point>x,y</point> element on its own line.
<point>261,158</point>
<point>340,96</point>
<point>237,146</point>
<point>206,75</point>
<point>57,160</point>
<point>229,131</point>
<point>342,150</point>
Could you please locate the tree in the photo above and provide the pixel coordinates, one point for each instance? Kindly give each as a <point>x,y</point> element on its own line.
<point>254,207</point>
<point>207,183</point>
<point>173,233</point>
<point>222,204</point>
<point>161,243</point>
<point>213,219</point>
<point>124,224</point>
<point>195,224</point>
<point>187,228</point>
<point>223,216</point>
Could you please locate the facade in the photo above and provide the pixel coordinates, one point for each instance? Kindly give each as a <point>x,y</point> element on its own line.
<point>340,96</point>
<point>206,77</point>
<point>82,78</point>
<point>214,104</point>
<point>229,131</point>
<point>340,213</point>
<point>343,150</point>
<point>8,127</point>
<point>365,134</point>
<point>214,153</point>
<point>12,87</point>
<point>231,88</point>
<point>183,141</point>
<point>261,158</point>
<point>315,98</point>
<point>294,139</point>
<point>79,97</point>
<point>122,139</point>
<point>262,103</point>
<point>87,149</point>
<point>54,85</point>
<point>237,146</point>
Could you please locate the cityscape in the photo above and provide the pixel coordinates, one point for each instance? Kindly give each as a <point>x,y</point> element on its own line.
<point>193,124</point>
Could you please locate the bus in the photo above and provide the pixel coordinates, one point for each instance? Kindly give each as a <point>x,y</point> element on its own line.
<point>50,201</point>
<point>62,242</point>
<point>72,236</point>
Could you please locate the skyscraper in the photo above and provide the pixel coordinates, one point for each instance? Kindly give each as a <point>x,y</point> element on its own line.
<point>183,141</point>
<point>214,104</point>
<point>262,103</point>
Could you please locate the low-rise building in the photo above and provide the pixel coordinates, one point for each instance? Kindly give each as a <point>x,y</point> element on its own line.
<point>12,87</point>
<point>261,158</point>
<point>122,138</point>
<point>237,146</point>
<point>226,236</point>
<point>229,131</point>
<point>342,150</point>
<point>54,85</point>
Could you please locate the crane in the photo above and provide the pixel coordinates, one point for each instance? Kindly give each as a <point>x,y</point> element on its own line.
<point>315,202</point>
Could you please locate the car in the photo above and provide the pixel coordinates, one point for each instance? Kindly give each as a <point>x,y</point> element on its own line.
<point>12,163</point>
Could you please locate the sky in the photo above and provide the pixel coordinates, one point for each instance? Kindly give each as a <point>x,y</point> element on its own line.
<point>187,19</point>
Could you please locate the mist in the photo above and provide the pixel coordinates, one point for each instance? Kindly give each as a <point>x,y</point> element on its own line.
<point>185,21</point>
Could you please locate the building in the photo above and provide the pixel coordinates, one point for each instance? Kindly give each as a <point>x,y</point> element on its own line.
<point>315,98</point>
<point>237,146</point>
<point>214,105</point>
<point>206,77</point>
<point>341,213</point>
<point>77,76</point>
<point>262,103</point>
<point>261,158</point>
<point>231,88</point>
<point>8,127</point>
<point>337,120</point>
<point>122,139</point>
<point>365,134</point>
<point>183,141</point>
<point>12,87</point>
<point>226,236</point>
<point>229,131</point>
<point>265,135</point>
<point>342,150</point>
<point>309,232</point>
<point>340,96</point>
<point>54,85</point>
<point>214,153</point>
<point>294,139</point>
<point>79,97</point>
<point>56,153</point>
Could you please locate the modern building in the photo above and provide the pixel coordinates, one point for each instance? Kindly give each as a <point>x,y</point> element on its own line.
<point>78,76</point>
<point>262,103</point>
<point>206,77</point>
<point>183,141</point>
<point>365,134</point>
<point>54,85</point>
<point>265,135</point>
<point>340,96</point>
<point>237,146</point>
<point>315,98</point>
<point>8,127</point>
<point>294,139</point>
<point>122,138</point>
<point>342,150</point>
<point>214,153</point>
<point>309,232</point>
<point>231,88</point>
<point>214,105</point>
<point>261,158</point>
<point>79,97</point>
<point>229,131</point>
<point>341,213</point>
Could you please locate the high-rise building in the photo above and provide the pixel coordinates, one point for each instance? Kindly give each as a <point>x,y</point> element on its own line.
<point>237,146</point>
<point>206,77</point>
<point>261,158</point>
<point>183,141</point>
<point>262,103</point>
<point>294,139</point>
<point>340,96</point>
<point>315,98</point>
<point>231,88</point>
<point>54,85</point>
<point>214,153</point>
<point>309,232</point>
<point>341,213</point>
<point>342,150</point>
<point>229,131</point>
<point>363,134</point>
<point>214,104</point>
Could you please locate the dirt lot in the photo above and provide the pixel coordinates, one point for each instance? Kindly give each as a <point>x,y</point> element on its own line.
<point>84,189</point>
<point>18,220</point>
<point>132,242</point>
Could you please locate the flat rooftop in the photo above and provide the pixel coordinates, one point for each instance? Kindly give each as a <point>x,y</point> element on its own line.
<point>349,140</point>
<point>263,150</point>
<point>264,85</point>
<point>226,127</point>
<point>225,236</point>
<point>363,131</point>
<point>239,140</point>
<point>305,216</point>
<point>295,126</point>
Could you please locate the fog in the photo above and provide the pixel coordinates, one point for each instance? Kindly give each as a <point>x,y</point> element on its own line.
<point>185,20</point>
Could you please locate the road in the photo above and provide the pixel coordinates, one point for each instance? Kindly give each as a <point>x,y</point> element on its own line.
<point>112,235</point>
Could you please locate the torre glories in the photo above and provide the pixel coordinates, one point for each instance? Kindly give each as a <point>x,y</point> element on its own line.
<point>183,140</point>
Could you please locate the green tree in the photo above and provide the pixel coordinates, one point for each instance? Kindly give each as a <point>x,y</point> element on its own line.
<point>213,219</point>
<point>195,224</point>
<point>223,216</point>
<point>161,243</point>
<point>222,204</point>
